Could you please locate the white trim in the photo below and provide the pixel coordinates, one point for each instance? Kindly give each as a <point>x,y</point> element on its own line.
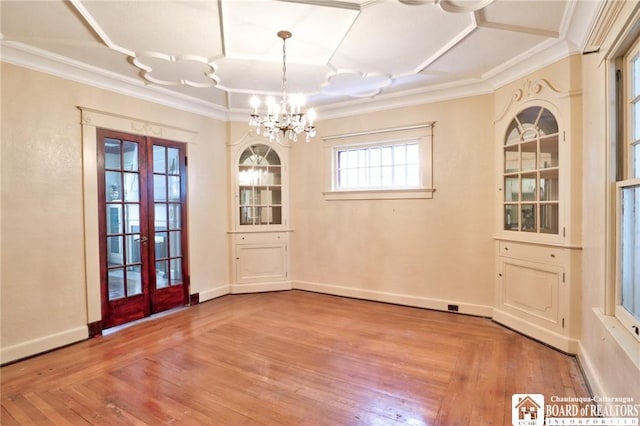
<point>422,133</point>
<point>396,298</point>
<point>379,131</point>
<point>214,293</point>
<point>260,287</point>
<point>43,344</point>
<point>629,345</point>
<point>108,120</point>
<point>380,194</point>
<point>589,371</point>
<point>563,343</point>
<point>91,119</point>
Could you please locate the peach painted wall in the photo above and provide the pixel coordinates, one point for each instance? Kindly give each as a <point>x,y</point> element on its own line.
<point>43,293</point>
<point>420,252</point>
<point>610,369</point>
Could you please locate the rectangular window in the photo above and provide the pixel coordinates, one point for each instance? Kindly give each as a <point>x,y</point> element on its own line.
<point>378,167</point>
<point>380,164</point>
<point>627,300</point>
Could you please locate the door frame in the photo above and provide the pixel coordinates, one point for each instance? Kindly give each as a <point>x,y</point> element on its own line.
<point>92,119</point>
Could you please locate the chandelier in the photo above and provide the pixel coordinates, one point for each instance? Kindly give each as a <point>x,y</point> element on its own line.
<point>286,117</point>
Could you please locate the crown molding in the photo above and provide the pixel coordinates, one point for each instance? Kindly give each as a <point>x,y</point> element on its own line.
<point>40,60</point>
<point>29,57</point>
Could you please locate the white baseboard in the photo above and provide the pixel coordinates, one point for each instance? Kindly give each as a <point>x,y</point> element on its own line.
<point>397,298</point>
<point>214,292</point>
<point>260,287</point>
<point>590,374</point>
<point>43,344</point>
<point>558,341</point>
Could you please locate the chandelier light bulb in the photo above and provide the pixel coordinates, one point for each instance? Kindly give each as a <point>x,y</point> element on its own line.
<point>285,117</point>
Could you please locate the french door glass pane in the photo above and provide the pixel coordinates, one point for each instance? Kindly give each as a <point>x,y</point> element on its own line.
<point>116,283</point>
<point>173,160</point>
<point>162,274</point>
<point>175,245</point>
<point>176,271</point>
<point>131,187</point>
<point>160,213</point>
<point>159,159</point>
<point>174,216</point>
<point>133,248</point>
<point>113,183</point>
<point>114,251</point>
<point>112,154</point>
<point>130,156</point>
<point>132,218</point>
<point>159,188</point>
<point>134,280</point>
<point>114,223</point>
<point>161,245</point>
<point>174,188</point>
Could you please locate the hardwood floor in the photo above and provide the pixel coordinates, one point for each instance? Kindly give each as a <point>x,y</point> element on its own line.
<point>289,358</point>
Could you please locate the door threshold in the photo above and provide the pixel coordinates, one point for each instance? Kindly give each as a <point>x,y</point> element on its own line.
<point>117,328</point>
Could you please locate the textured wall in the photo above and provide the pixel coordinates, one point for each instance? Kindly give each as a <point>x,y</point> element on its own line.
<point>44,301</point>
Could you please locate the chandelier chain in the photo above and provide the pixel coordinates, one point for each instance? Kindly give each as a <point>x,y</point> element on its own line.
<point>284,65</point>
<point>285,118</point>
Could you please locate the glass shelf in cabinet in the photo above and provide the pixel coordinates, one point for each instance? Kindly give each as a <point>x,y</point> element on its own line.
<point>512,188</point>
<point>549,185</point>
<point>511,217</point>
<point>528,217</point>
<point>528,155</point>
<point>549,218</point>
<point>528,187</point>
<point>274,176</point>
<point>511,159</point>
<point>548,152</point>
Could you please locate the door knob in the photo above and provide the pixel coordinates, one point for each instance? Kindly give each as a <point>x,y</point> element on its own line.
<point>143,240</point>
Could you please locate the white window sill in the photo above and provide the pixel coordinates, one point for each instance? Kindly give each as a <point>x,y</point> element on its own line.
<point>621,335</point>
<point>380,194</point>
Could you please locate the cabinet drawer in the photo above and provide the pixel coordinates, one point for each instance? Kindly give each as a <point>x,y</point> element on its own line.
<point>536,253</point>
<point>261,238</point>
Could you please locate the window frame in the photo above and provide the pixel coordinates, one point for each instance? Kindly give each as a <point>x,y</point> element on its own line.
<point>628,173</point>
<point>368,148</point>
<point>422,134</point>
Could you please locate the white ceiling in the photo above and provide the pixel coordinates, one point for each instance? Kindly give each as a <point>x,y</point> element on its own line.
<point>211,56</point>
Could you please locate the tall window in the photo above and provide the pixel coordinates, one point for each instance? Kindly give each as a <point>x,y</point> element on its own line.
<point>628,201</point>
<point>391,165</point>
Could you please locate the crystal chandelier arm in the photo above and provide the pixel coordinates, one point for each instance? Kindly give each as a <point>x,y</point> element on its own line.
<point>286,116</point>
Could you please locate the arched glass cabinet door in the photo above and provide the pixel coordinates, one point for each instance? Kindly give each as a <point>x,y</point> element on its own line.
<point>531,172</point>
<point>260,186</point>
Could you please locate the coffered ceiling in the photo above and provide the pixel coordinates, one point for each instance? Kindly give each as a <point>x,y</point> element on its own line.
<point>211,56</point>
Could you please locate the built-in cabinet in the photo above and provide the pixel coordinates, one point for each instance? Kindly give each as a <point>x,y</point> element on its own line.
<point>260,231</point>
<point>538,214</point>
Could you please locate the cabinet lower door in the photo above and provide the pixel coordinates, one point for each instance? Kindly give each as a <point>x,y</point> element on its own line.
<point>532,299</point>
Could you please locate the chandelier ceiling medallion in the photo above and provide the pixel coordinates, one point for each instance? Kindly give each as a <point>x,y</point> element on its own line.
<point>285,118</point>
